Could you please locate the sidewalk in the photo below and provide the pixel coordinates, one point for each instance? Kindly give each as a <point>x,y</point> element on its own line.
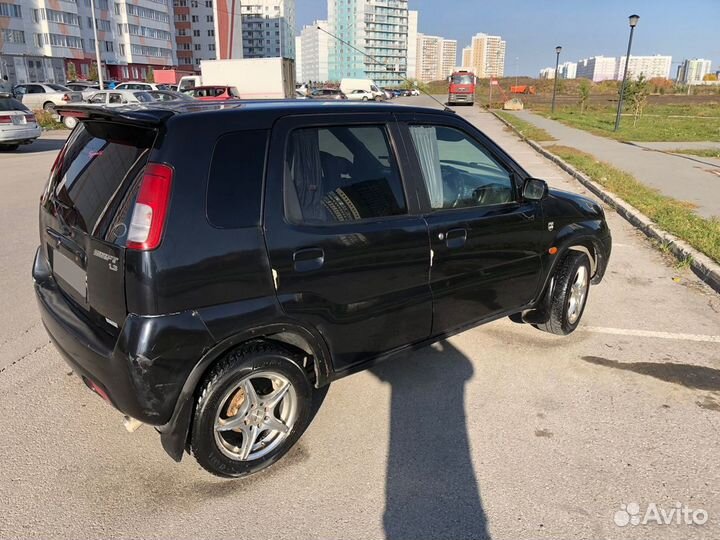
<point>686,178</point>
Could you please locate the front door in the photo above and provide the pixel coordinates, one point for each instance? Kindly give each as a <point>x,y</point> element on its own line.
<point>485,239</point>
<point>348,250</point>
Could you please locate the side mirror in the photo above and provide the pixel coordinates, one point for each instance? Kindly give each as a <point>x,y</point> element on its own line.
<point>534,189</point>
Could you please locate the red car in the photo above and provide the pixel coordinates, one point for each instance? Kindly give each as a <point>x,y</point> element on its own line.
<point>214,93</point>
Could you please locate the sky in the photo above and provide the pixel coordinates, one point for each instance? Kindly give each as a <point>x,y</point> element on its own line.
<point>584,28</point>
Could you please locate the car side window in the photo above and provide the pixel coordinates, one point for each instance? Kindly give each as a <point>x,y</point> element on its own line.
<point>115,98</point>
<point>341,173</point>
<point>458,172</point>
<point>35,89</point>
<point>97,98</point>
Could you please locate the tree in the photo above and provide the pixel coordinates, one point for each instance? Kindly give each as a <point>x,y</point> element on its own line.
<point>93,73</point>
<point>710,77</point>
<point>584,90</point>
<point>636,94</point>
<point>150,77</point>
<point>71,72</point>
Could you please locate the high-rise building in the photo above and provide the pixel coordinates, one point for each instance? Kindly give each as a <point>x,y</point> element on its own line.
<point>466,60</point>
<point>268,28</point>
<point>313,54</point>
<point>693,71</point>
<point>448,57</point>
<point>40,38</point>
<point>379,28</point>
<point>436,57</point>
<point>597,68</point>
<point>486,56</point>
<point>567,70</point>
<point>649,66</point>
<point>298,59</point>
<point>198,25</point>
<point>227,29</point>
<point>412,44</point>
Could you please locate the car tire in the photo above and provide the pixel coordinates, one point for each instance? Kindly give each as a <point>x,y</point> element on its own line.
<point>567,298</point>
<point>235,403</point>
<point>364,98</point>
<point>69,121</point>
<point>49,106</point>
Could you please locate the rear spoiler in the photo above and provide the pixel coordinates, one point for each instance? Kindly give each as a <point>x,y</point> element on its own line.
<point>126,115</point>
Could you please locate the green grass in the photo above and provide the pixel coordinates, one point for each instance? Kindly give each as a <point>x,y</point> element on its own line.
<point>46,120</point>
<point>702,152</point>
<point>674,216</point>
<point>658,123</point>
<point>526,128</point>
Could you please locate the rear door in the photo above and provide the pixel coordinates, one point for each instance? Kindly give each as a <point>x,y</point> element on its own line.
<point>85,213</point>
<point>486,240</point>
<point>349,254</point>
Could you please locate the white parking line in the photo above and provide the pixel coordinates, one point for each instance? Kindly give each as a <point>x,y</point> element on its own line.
<point>652,334</point>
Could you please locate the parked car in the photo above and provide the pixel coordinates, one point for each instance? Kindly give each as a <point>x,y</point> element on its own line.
<point>18,124</point>
<point>327,93</point>
<point>213,93</point>
<point>168,95</point>
<point>107,98</point>
<point>45,96</point>
<point>86,88</point>
<point>207,285</point>
<point>140,85</point>
<point>360,95</point>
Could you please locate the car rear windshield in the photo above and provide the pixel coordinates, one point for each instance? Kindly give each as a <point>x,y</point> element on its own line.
<point>98,166</point>
<point>58,87</point>
<point>11,104</point>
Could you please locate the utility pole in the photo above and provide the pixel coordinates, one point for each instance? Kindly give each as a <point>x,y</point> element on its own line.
<point>557,65</point>
<point>97,45</point>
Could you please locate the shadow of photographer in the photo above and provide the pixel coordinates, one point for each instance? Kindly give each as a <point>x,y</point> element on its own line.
<point>431,488</point>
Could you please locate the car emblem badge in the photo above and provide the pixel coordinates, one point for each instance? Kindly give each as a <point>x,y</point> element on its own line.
<point>551,225</point>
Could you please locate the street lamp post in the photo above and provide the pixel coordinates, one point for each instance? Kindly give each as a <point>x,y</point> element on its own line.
<point>557,65</point>
<point>633,23</point>
<point>97,44</point>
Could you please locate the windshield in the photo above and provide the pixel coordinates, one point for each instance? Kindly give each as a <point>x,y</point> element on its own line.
<point>462,79</point>
<point>58,88</point>
<point>11,104</point>
<point>143,97</point>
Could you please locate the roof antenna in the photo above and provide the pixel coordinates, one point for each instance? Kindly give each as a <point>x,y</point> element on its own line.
<point>443,105</point>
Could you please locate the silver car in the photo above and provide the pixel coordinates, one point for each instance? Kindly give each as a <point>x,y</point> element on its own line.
<point>17,123</point>
<point>45,96</point>
<point>109,98</point>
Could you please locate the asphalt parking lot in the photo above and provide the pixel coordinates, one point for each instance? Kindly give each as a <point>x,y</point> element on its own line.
<point>500,432</point>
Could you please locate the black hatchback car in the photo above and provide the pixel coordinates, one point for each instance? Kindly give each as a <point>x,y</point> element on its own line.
<point>205,267</point>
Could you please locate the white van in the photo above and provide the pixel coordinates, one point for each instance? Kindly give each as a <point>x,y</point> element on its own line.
<point>348,85</point>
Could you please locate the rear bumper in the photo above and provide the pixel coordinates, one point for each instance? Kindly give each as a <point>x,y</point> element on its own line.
<point>14,136</point>
<point>142,369</point>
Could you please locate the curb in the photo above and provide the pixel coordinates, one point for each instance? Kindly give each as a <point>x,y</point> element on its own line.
<point>702,266</point>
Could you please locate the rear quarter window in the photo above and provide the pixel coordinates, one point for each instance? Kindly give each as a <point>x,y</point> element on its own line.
<point>236,179</point>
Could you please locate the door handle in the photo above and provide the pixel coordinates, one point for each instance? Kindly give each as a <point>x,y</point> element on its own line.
<point>455,238</point>
<point>308,259</point>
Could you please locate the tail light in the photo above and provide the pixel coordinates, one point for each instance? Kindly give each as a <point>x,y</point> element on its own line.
<point>5,119</point>
<point>148,217</point>
<point>30,118</point>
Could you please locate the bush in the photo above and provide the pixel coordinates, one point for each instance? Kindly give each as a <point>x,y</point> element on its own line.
<point>46,120</point>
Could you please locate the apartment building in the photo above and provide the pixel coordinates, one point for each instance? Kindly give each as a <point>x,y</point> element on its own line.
<point>268,28</point>
<point>412,51</point>
<point>649,66</point>
<point>311,63</point>
<point>195,32</point>
<point>486,56</point>
<point>566,70</point>
<point>448,58</point>
<point>377,27</point>
<point>40,38</point>
<point>693,71</point>
<point>597,68</point>
<point>466,57</point>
